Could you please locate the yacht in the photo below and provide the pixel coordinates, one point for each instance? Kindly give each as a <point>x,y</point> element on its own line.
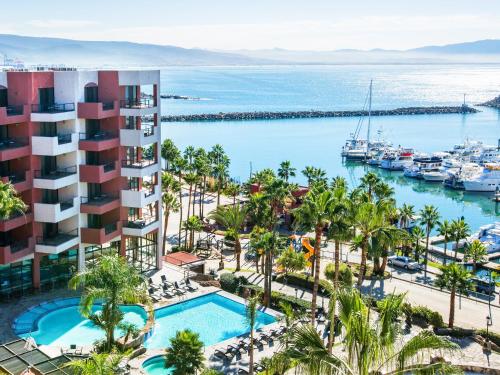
<point>435,175</point>
<point>489,235</point>
<point>456,176</point>
<point>403,158</point>
<point>488,180</point>
<point>489,154</point>
<point>421,165</point>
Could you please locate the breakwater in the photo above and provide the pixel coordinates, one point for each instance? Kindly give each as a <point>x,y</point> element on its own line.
<point>493,103</point>
<point>264,115</point>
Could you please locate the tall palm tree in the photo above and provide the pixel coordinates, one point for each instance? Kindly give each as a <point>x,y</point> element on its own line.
<point>429,218</point>
<point>277,193</point>
<point>113,281</point>
<point>96,364</point>
<point>251,317</point>
<point>368,182</point>
<point>233,190</point>
<point>10,203</point>
<point>169,152</point>
<point>476,252</point>
<point>285,171</point>
<point>202,168</point>
<point>459,230</point>
<point>179,165</point>
<point>406,214</point>
<point>185,354</point>
<point>170,188</point>
<point>417,235</point>
<point>445,230</point>
<point>191,179</point>
<point>220,171</point>
<point>369,219</point>
<point>189,155</point>
<point>456,279</point>
<point>233,219</point>
<point>191,225</point>
<point>314,214</point>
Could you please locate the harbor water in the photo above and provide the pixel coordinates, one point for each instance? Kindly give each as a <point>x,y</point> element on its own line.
<point>253,145</point>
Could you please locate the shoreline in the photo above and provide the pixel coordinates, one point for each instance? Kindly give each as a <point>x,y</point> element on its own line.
<point>265,115</point>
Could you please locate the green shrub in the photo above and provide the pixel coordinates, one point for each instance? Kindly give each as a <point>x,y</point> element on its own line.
<point>231,283</point>
<point>427,315</point>
<point>305,282</point>
<point>211,371</point>
<point>493,336</point>
<point>277,297</point>
<point>345,274</point>
<point>368,272</point>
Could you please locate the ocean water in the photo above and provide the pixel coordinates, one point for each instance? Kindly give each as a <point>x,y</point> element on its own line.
<point>253,145</point>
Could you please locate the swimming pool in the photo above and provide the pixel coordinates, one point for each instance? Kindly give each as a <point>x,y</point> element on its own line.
<point>156,366</point>
<point>215,317</point>
<point>60,323</point>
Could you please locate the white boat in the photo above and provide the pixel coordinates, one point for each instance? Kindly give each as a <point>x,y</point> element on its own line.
<point>421,165</point>
<point>489,235</point>
<point>403,158</point>
<point>435,175</point>
<point>456,176</point>
<point>489,154</point>
<point>488,180</point>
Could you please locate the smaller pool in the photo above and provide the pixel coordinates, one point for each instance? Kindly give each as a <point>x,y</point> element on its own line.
<point>60,323</point>
<point>156,366</point>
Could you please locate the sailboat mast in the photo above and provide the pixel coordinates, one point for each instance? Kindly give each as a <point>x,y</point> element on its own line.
<point>369,120</point>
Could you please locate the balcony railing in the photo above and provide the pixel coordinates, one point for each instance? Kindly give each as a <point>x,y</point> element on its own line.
<point>52,108</point>
<point>14,110</point>
<point>15,215</point>
<point>56,173</point>
<point>137,103</point>
<point>107,106</point>
<point>134,163</point>
<point>16,245</point>
<point>64,204</point>
<point>57,239</point>
<point>98,136</point>
<point>140,223</point>
<point>99,200</point>
<point>14,178</point>
<point>9,143</point>
<point>110,228</point>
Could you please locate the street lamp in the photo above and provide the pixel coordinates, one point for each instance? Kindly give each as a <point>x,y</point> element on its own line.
<point>489,322</point>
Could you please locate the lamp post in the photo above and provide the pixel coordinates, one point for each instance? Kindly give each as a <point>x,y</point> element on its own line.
<point>489,322</point>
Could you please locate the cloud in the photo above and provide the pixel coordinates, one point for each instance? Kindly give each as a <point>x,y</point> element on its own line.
<point>59,23</point>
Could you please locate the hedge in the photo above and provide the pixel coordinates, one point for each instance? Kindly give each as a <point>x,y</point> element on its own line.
<point>231,283</point>
<point>277,297</point>
<point>368,272</point>
<point>305,282</point>
<point>426,316</point>
<point>493,336</point>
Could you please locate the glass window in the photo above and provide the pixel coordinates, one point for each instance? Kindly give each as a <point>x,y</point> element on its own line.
<point>16,278</point>
<point>130,122</point>
<point>141,251</point>
<point>58,268</point>
<point>94,252</point>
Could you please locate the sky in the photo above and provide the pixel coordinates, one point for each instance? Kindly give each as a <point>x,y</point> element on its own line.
<point>258,24</point>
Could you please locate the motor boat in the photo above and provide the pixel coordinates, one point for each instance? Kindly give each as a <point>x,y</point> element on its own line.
<point>487,181</point>
<point>435,175</point>
<point>421,165</point>
<point>456,176</point>
<point>398,161</point>
<point>489,235</point>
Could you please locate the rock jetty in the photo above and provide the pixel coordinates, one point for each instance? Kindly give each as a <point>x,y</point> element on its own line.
<point>242,116</point>
<point>493,103</point>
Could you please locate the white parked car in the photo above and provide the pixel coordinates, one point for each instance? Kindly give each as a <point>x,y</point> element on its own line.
<point>404,262</point>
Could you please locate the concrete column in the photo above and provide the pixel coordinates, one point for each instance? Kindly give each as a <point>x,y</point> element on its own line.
<point>36,270</point>
<point>81,258</point>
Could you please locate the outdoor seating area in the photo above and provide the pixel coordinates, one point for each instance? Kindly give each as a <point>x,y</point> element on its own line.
<point>169,290</point>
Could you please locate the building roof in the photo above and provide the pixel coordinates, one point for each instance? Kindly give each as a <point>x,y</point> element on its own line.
<point>182,258</point>
<point>17,357</point>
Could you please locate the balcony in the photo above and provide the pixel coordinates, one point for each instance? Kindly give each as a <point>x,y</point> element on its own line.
<point>99,205</point>
<point>139,168</point>
<point>99,236</point>
<point>138,107</point>
<point>15,250</point>
<point>52,146</point>
<point>14,148</point>
<point>140,198</point>
<point>98,110</point>
<point>53,112</point>
<point>56,212</point>
<point>55,179</point>
<point>100,141</point>
<point>139,137</point>
<point>140,227</point>
<point>16,220</point>
<point>21,181</point>
<point>99,173</point>
<point>57,243</point>
<point>14,114</point>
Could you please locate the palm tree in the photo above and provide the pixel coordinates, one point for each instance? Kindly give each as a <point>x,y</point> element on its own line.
<point>251,317</point>
<point>179,165</point>
<point>277,193</point>
<point>292,261</point>
<point>170,201</point>
<point>185,355</point>
<point>96,364</point>
<point>191,179</point>
<point>368,183</point>
<point>233,219</point>
<point>314,214</point>
<point>476,252</point>
<point>285,171</point>
<point>169,152</point>
<point>233,190</point>
<point>189,154</point>
<point>429,217</point>
<point>10,203</point>
<point>455,278</point>
<point>308,173</point>
<point>406,214</point>
<point>220,172</point>
<point>369,343</point>
<point>202,168</point>
<point>191,225</point>
<point>459,231</point>
<point>113,281</point>
<point>444,229</point>
<point>417,235</point>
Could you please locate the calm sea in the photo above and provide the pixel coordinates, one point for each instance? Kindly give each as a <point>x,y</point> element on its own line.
<point>259,144</point>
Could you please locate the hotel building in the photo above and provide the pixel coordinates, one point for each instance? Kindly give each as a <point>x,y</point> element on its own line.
<point>81,148</point>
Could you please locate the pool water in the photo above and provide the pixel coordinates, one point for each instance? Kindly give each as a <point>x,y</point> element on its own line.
<point>214,317</point>
<point>156,366</point>
<point>66,326</point>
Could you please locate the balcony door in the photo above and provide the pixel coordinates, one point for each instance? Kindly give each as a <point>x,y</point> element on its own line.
<point>46,97</point>
<point>50,196</point>
<point>4,133</point>
<point>50,230</point>
<point>92,127</point>
<point>131,93</point>
<point>94,190</point>
<point>49,164</point>
<point>91,94</point>
<point>48,129</point>
<point>3,97</point>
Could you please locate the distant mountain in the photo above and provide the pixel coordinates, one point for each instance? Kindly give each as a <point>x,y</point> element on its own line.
<point>34,50</point>
<point>40,50</point>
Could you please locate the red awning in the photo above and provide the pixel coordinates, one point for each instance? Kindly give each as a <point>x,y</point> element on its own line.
<point>181,258</point>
